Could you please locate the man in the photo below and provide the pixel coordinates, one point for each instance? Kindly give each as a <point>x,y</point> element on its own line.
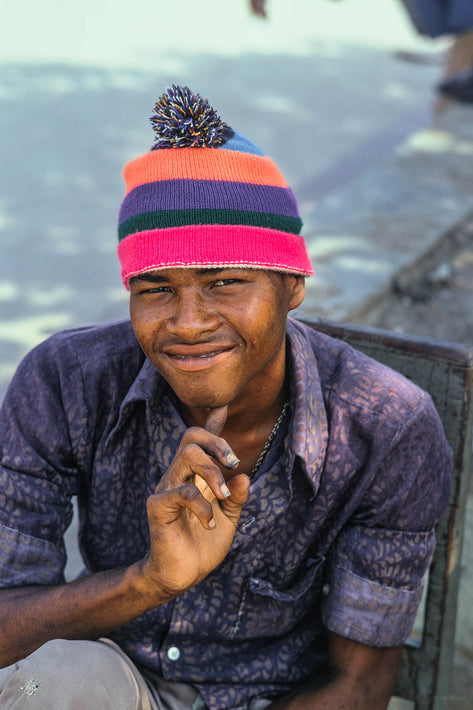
<point>257,501</point>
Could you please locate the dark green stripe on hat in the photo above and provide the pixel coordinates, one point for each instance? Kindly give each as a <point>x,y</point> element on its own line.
<point>164,219</point>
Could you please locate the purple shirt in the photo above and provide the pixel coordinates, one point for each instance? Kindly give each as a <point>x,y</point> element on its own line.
<point>337,533</point>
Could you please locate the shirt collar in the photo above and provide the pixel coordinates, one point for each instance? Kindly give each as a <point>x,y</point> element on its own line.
<point>148,385</point>
<point>309,429</point>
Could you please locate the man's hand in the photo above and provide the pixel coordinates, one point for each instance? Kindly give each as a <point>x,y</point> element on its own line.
<point>194,512</point>
<point>185,547</point>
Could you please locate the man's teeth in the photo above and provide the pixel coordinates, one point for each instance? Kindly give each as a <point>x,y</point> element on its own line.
<point>184,357</point>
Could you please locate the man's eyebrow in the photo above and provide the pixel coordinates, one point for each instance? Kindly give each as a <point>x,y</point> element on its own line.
<point>153,278</point>
<point>159,278</point>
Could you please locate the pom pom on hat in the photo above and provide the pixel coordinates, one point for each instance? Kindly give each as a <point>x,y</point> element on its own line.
<point>184,119</point>
<point>205,196</point>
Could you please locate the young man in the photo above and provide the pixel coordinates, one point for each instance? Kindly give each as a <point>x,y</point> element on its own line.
<point>257,501</point>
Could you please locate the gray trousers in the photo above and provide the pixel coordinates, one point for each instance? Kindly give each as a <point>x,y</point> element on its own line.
<point>91,675</point>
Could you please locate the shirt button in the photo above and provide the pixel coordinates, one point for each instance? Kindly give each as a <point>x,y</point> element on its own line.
<point>173,653</point>
<point>326,590</point>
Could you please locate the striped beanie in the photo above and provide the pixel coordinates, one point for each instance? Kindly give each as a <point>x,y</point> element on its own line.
<point>205,196</point>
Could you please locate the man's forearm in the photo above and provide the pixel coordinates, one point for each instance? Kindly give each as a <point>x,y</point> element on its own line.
<point>85,609</point>
<point>358,677</point>
<point>336,695</point>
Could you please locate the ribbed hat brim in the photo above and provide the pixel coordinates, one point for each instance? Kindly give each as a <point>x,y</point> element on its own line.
<point>213,245</point>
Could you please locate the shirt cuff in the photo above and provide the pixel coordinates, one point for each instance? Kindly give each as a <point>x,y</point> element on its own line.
<point>26,560</point>
<point>368,612</point>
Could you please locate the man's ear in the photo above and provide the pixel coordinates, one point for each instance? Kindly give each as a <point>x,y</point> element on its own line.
<point>296,290</point>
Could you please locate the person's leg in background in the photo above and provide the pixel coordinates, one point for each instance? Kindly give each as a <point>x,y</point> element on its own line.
<point>457,82</point>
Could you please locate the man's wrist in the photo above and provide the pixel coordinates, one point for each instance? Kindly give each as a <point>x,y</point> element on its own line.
<point>145,588</point>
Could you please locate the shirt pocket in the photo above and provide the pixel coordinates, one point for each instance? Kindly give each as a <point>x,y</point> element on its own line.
<point>265,611</point>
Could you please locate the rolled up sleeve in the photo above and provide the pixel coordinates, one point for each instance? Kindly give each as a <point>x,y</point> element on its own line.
<point>372,612</point>
<point>27,560</point>
<point>381,556</point>
<point>38,476</point>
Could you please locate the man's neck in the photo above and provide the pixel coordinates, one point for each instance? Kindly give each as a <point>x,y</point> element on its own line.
<point>250,421</point>
<point>261,402</point>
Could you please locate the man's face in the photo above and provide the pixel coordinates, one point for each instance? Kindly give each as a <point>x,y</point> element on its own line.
<point>215,335</point>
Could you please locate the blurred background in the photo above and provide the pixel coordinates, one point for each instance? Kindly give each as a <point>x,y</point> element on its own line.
<point>341,94</point>
<point>319,85</point>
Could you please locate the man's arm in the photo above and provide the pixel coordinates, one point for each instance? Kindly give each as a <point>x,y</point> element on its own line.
<point>85,609</point>
<point>362,677</point>
<point>192,518</point>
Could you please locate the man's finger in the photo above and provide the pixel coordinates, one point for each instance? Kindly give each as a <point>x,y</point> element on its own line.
<point>239,487</point>
<point>216,420</point>
<point>165,507</point>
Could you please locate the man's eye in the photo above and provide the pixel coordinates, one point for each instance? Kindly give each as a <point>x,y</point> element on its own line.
<point>225,282</point>
<point>154,289</point>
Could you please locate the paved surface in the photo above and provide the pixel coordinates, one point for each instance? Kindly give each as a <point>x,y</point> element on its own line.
<point>320,87</point>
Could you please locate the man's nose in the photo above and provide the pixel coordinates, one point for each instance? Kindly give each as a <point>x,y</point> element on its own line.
<point>192,316</point>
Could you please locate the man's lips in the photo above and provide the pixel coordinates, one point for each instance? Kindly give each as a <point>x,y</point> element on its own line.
<point>195,357</point>
<point>200,350</point>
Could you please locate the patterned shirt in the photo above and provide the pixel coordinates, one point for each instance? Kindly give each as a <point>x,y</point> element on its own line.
<point>337,532</point>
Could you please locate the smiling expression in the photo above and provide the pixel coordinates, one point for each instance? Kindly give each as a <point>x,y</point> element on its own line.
<point>216,335</point>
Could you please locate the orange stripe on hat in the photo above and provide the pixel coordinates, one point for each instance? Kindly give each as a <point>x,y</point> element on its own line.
<point>202,164</point>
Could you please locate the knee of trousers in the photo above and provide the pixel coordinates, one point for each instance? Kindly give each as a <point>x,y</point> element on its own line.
<point>72,674</point>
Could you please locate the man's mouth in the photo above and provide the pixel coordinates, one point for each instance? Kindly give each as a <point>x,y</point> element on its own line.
<point>200,356</point>
<point>193,359</point>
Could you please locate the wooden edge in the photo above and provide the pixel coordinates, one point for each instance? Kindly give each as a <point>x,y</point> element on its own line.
<point>456,353</point>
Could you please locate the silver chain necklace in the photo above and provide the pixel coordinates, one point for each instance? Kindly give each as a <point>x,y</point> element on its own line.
<point>269,441</point>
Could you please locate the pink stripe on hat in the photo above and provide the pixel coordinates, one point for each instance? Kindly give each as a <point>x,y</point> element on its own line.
<point>213,245</point>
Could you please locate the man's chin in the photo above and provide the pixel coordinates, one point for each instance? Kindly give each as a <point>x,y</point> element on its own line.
<point>200,398</point>
<point>207,402</point>
<point>202,392</point>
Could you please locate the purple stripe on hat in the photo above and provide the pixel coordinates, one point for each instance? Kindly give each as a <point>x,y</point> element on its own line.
<point>205,194</point>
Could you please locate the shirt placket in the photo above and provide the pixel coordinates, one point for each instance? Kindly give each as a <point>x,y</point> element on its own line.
<point>269,497</point>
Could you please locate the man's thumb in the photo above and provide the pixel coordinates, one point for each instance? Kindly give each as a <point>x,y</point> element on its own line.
<point>239,486</point>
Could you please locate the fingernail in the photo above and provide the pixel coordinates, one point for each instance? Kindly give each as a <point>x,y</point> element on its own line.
<point>225,490</point>
<point>212,524</point>
<point>232,460</point>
